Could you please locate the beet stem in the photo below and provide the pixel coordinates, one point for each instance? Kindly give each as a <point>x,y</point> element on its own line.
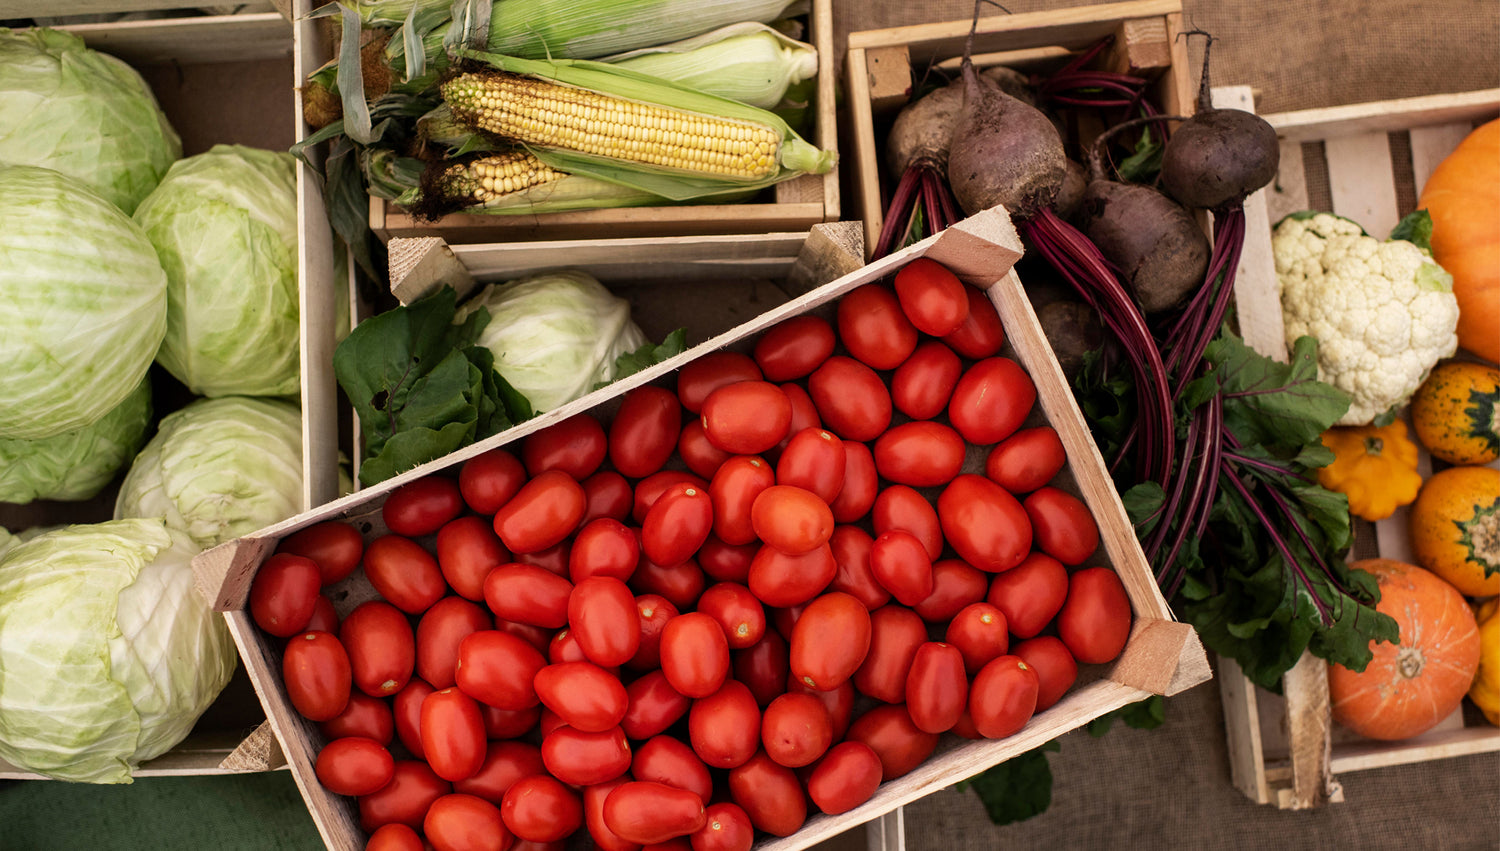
<point>896,213</point>
<point>1279,542</point>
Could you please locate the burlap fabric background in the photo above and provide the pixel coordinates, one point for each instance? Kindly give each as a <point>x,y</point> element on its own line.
<point>1170,787</point>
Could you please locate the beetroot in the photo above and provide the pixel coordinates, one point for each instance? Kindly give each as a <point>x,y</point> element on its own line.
<point>1003,152</point>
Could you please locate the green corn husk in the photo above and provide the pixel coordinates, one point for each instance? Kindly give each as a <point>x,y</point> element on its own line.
<point>748,62</point>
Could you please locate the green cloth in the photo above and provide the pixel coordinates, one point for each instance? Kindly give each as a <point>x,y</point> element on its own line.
<point>254,812</point>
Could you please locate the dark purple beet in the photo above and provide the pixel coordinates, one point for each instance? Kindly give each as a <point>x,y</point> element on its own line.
<point>1160,251</point>
<point>1003,153</point>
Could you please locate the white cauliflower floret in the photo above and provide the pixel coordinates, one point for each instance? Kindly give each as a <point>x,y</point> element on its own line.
<point>1383,312</point>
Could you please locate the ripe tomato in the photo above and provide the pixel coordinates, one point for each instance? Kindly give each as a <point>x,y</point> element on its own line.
<point>382,651</point>
<point>541,809</point>
<point>901,745</point>
<point>700,377</point>
<point>653,706</point>
<point>937,689</point>
<point>505,762</point>
<point>655,611</point>
<point>333,545</point>
<point>649,489</point>
<point>576,446</point>
<point>901,565</point>
<point>404,800</point>
<point>846,777</point>
<point>584,695</point>
<point>700,456</point>
<point>508,723</point>
<point>593,817</point>
<point>602,616</point>
<point>727,562</point>
<point>645,812</point>
<point>794,347</point>
<point>986,526</point>
<point>980,335</point>
<point>644,431</point>
<point>1030,594</point>
<point>439,632</point>
<point>793,520</point>
<point>606,494</point>
<point>677,524</point>
<point>679,584</point>
<point>933,298</point>
<point>747,417</point>
<point>726,827</point>
<point>852,401</point>
<point>1095,621</point>
<point>465,823</point>
<point>421,507</point>
<point>955,584</point>
<point>354,766</point>
<point>284,594</point>
<point>404,574</point>
<point>979,632</point>
<point>796,730</point>
<point>1026,460</point>
<point>543,512</point>
<point>553,559</point>
<point>737,612</point>
<point>920,453</point>
<point>861,484</point>
<point>564,648</point>
<point>1064,527</point>
<point>763,667</point>
<point>851,554</point>
<point>583,759</point>
<point>735,485</point>
<point>901,507</point>
<point>395,837</point>
<point>603,547</point>
<point>1003,697</point>
<point>839,702</point>
<point>804,415</point>
<point>694,654</point>
<point>452,734</point>
<point>814,461</point>
<point>895,634</point>
<point>363,716</point>
<point>406,710</point>
<point>498,668</point>
<point>923,383</point>
<point>873,327</point>
<point>528,594</point>
<point>324,618</point>
<point>663,759</point>
<point>489,480</point>
<point>778,579</point>
<point>770,794</point>
<point>1056,671</point>
<point>991,400</point>
<point>316,671</point>
<point>830,641</point>
<point>467,550</point>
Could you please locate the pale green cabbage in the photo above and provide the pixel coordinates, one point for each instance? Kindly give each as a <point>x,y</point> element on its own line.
<point>218,469</point>
<point>224,224</point>
<point>75,465</point>
<point>83,113</point>
<point>85,304</point>
<point>555,335</point>
<point>108,654</point>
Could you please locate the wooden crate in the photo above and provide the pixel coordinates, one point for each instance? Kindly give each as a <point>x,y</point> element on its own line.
<point>798,203</point>
<point>1367,162</point>
<point>1162,657</point>
<point>881,65</point>
<point>181,57</point>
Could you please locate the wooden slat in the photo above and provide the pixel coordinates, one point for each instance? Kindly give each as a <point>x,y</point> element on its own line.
<point>1142,47</point>
<point>1247,765</point>
<point>1074,27</point>
<point>70,8</point>
<point>1385,116</point>
<point>225,38</point>
<point>1361,181</point>
<point>1308,732</point>
<point>1429,145</point>
<point>827,120</point>
<point>866,147</point>
<point>644,259</point>
<point>887,833</point>
<point>1464,741</point>
<point>423,265</point>
<point>1257,295</point>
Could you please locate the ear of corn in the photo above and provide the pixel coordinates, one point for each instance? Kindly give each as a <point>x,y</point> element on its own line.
<point>585,29</point>
<point>748,62</point>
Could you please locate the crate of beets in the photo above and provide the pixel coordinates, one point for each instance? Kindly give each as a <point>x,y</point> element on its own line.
<point>837,558</point>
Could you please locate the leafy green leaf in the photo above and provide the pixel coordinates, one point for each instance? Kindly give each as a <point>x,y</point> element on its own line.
<point>1142,165</point>
<point>650,355</point>
<point>1416,229</point>
<point>1017,789</point>
<point>1272,403</point>
<point>1145,714</point>
<point>1386,417</point>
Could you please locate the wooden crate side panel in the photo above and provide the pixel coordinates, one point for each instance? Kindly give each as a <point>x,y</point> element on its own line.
<point>1075,27</point>
<point>221,38</point>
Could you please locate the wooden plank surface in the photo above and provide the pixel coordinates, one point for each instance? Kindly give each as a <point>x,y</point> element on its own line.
<point>188,41</point>
<point>1361,181</point>
<point>1257,295</point>
<point>1386,116</point>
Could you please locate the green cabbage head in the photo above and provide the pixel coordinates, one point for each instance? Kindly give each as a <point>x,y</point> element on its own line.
<point>83,113</point>
<point>77,464</point>
<point>108,654</point>
<point>84,304</point>
<point>555,335</point>
<point>224,224</point>
<point>218,469</point>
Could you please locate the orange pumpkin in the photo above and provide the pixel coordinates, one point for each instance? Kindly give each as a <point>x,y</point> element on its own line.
<point>1463,198</point>
<point>1412,685</point>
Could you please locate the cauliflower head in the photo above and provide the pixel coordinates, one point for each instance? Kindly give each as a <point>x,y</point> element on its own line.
<point>1383,312</point>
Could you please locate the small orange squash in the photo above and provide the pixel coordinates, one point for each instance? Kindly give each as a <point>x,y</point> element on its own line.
<point>1463,198</point>
<point>1455,528</point>
<point>1410,686</point>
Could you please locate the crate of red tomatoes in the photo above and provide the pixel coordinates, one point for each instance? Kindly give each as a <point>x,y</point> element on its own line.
<point>854,550</point>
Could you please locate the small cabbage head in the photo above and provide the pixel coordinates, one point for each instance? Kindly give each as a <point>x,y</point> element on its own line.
<point>224,223</point>
<point>219,469</point>
<point>85,303</point>
<point>76,465</point>
<point>555,335</point>
<point>108,654</point>
<point>83,113</point>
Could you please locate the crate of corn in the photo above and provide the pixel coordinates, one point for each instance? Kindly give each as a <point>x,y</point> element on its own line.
<point>500,130</point>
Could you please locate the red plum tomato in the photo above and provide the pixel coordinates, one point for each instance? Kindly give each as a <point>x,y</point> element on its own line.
<point>983,523</point>
<point>979,631</point>
<point>406,710</point>
<point>955,584</point>
<point>404,800</point>
<point>644,812</point>
<point>901,745</point>
<point>1095,620</point>
<point>284,594</point>
<point>851,399</point>
<point>861,484</point>
<point>546,510</point>
<point>851,553</point>
<point>363,716</point>
<point>937,689</point>
<point>583,759</point>
<point>441,629</point>
<point>604,547</point>
<point>1030,594</point>
<point>770,794</point>
<point>1026,460</point>
<point>395,837</point>
<point>981,334</point>
<point>701,376</point>
<point>354,766</point>
<point>901,565</point>
<point>576,446</point>
<point>318,678</point>
<point>902,507</point>
<point>923,383</point>
<point>465,823</point>
<point>733,491</point>
<point>991,400</point>
<point>747,417</point>
<point>584,695</point>
<point>725,727</point>
<point>782,580</point>
<point>655,611</point>
<point>467,550</point>
<point>488,481</point>
<point>382,649</point>
<point>403,573</point>
<point>920,454</point>
<point>1062,525</point>
<point>933,298</point>
<point>726,827</point>
<point>644,431</point>
<point>505,762</point>
<point>873,327</point>
<point>335,546</point>
<point>796,730</point>
<point>1056,670</point>
<point>498,668</point>
<point>664,759</point>
<point>653,706</point>
<point>606,494</point>
<point>895,634</point>
<point>829,641</point>
<point>602,615</point>
<point>528,594</point>
<point>697,452</point>
<point>737,612</point>
<point>794,347</point>
<point>677,524</point>
<point>1003,696</point>
<point>814,461</point>
<point>694,654</point>
<point>844,778</point>
<point>790,519</point>
<point>540,808</point>
<point>422,506</point>
<point>452,734</point>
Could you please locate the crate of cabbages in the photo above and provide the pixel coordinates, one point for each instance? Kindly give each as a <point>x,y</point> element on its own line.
<point>569,122</point>
<point>1378,238</point>
<point>842,555</point>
